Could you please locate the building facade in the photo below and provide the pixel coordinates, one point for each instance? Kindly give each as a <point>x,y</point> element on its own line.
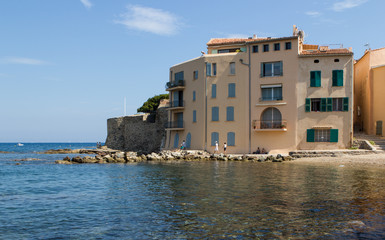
<point>369,83</point>
<point>273,93</point>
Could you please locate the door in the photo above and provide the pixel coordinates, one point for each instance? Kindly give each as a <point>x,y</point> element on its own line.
<point>179,119</point>
<point>379,128</point>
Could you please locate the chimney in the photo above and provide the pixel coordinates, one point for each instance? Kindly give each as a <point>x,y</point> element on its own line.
<point>254,36</point>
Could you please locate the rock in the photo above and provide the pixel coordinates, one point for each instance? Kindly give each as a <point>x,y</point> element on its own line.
<point>63,162</point>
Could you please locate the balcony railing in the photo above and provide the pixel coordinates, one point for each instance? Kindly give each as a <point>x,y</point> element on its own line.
<point>174,124</point>
<point>270,99</point>
<point>270,124</point>
<point>177,83</point>
<point>177,103</point>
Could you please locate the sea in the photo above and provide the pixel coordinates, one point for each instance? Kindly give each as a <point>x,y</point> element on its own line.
<point>185,200</point>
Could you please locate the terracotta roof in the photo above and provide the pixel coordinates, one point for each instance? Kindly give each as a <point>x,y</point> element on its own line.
<point>342,51</point>
<point>224,41</point>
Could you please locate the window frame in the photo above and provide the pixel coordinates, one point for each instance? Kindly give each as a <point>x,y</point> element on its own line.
<point>272,87</point>
<point>277,46</point>
<point>255,48</point>
<point>287,45</point>
<point>232,68</point>
<point>273,65</point>
<point>265,47</point>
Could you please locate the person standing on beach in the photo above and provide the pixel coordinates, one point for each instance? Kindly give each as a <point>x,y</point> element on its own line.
<point>216,150</point>
<point>183,146</point>
<point>224,147</point>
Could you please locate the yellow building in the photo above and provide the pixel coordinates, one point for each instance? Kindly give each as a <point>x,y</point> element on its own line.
<point>273,93</point>
<point>369,85</point>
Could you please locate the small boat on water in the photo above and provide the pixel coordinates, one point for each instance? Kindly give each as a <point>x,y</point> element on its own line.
<point>20,144</point>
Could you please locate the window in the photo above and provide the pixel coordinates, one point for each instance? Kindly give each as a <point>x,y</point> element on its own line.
<point>338,78</point>
<point>271,69</point>
<point>213,91</point>
<point>231,89</point>
<point>214,69</point>
<point>326,104</point>
<point>271,92</point>
<point>179,76</point>
<point>195,75</point>
<point>336,60</point>
<point>288,45</point>
<point>322,135</point>
<point>277,46</point>
<point>194,116</point>
<point>215,114</point>
<point>232,68</point>
<point>214,138</point>
<point>230,114</point>
<point>255,48</point>
<point>194,96</point>
<point>231,139</point>
<point>316,104</point>
<point>316,61</point>
<point>338,104</point>
<point>265,47</point>
<point>271,118</point>
<point>315,79</point>
<point>208,69</point>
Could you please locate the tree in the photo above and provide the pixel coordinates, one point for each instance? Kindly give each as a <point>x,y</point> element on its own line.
<point>152,103</point>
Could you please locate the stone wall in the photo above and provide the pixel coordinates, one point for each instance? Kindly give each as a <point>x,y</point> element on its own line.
<point>139,133</point>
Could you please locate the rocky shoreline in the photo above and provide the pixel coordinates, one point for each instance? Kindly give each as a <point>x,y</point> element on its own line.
<point>113,156</point>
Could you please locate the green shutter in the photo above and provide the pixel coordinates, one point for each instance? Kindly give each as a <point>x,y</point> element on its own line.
<point>307,105</point>
<point>310,135</point>
<point>323,104</point>
<point>338,78</point>
<point>329,104</point>
<point>333,135</point>
<point>346,104</point>
<point>315,79</point>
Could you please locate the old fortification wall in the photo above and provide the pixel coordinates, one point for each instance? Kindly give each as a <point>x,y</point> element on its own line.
<point>139,133</point>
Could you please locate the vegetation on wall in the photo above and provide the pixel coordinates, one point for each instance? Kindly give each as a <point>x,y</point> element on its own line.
<point>152,103</point>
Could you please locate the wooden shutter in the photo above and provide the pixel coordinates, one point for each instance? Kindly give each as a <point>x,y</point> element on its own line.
<point>214,137</point>
<point>307,105</point>
<point>310,135</point>
<point>262,70</point>
<point>194,116</point>
<point>214,91</point>
<point>329,104</point>
<point>333,135</point>
<point>346,104</point>
<point>230,139</point>
<point>208,69</point>
<point>338,78</point>
<point>323,104</point>
<point>231,89</point>
<point>230,114</point>
<point>281,68</point>
<point>215,114</point>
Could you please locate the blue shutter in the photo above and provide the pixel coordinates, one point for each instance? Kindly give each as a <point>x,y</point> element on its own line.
<point>333,135</point>
<point>176,140</point>
<point>215,114</point>
<point>310,135</point>
<point>230,114</point>
<point>262,65</point>
<point>281,68</point>
<point>231,89</point>
<point>214,91</point>
<point>188,140</point>
<point>230,139</point>
<point>194,116</point>
<point>208,69</point>
<point>214,138</point>
<point>194,96</point>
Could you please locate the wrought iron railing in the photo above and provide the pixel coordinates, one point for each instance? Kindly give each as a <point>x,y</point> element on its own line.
<point>269,124</point>
<point>174,124</point>
<point>270,99</point>
<point>177,83</point>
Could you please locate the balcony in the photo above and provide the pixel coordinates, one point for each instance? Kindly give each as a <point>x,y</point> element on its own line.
<point>175,125</point>
<point>175,85</point>
<point>270,125</point>
<point>262,99</point>
<point>176,105</point>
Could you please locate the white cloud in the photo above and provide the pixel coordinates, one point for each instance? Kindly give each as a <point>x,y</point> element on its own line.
<point>151,20</point>
<point>86,3</point>
<point>19,60</point>
<point>346,4</point>
<point>313,13</point>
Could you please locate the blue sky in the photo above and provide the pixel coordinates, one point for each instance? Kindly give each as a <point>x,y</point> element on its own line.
<point>66,66</point>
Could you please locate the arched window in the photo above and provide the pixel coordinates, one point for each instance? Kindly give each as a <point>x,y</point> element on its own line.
<point>188,140</point>
<point>271,118</point>
<point>176,140</point>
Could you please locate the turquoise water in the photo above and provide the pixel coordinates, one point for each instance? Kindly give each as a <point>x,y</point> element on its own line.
<point>188,200</point>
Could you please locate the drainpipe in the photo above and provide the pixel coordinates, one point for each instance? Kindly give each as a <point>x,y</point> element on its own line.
<point>249,66</point>
<point>205,74</point>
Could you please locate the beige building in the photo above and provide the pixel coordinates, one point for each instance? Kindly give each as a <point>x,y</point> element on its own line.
<point>273,93</point>
<point>369,86</point>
